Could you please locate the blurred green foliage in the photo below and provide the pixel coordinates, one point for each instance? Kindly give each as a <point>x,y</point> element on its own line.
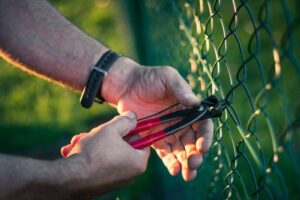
<point>36,115</point>
<point>37,112</point>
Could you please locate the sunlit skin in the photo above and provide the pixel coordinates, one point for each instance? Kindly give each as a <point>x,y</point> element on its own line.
<point>38,39</point>
<point>114,155</point>
<point>149,90</point>
<point>154,91</point>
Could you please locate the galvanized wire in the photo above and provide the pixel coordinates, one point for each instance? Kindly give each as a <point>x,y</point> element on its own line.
<point>244,52</point>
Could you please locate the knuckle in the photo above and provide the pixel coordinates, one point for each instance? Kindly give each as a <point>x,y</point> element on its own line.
<point>93,129</point>
<point>181,156</point>
<point>169,70</point>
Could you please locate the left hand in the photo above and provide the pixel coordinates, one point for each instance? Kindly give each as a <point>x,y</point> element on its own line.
<point>147,90</point>
<point>97,165</point>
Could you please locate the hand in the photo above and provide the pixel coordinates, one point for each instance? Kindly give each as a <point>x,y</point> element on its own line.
<point>103,160</point>
<point>147,90</point>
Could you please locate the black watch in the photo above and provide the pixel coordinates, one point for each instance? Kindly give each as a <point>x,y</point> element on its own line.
<point>96,76</point>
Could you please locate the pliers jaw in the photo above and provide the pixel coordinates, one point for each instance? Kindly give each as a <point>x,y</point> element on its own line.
<point>213,105</point>
<point>208,108</point>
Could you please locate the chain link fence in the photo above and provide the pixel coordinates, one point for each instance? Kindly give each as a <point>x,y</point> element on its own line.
<point>246,53</point>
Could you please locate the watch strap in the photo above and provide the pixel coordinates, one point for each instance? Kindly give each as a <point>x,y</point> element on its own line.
<point>95,79</point>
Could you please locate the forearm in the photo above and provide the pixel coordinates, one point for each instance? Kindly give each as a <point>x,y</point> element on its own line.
<point>37,38</point>
<point>28,178</point>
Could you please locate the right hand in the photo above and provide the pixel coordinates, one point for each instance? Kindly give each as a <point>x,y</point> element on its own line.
<point>102,161</point>
<point>148,90</point>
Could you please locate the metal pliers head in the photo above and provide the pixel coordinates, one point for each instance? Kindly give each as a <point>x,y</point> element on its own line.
<point>213,105</point>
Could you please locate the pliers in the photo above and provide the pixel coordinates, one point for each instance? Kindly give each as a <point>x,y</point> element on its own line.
<point>208,108</point>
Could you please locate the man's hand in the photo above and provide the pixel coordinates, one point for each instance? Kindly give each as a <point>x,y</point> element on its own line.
<point>102,160</point>
<point>147,90</point>
<point>59,51</point>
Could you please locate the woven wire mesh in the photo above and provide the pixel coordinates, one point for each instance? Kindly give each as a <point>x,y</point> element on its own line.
<point>245,53</point>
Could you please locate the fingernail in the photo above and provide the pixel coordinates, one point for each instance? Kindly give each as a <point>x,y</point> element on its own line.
<point>129,114</point>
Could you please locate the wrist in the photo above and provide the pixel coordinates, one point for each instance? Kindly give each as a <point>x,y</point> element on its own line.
<point>81,178</point>
<point>73,176</point>
<point>63,179</point>
<point>95,79</point>
<point>51,179</point>
<point>115,83</point>
<point>90,59</point>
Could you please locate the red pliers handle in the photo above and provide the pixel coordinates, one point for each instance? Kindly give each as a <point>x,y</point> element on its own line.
<point>208,108</point>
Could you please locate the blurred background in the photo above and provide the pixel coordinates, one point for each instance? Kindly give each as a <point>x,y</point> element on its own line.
<point>38,117</point>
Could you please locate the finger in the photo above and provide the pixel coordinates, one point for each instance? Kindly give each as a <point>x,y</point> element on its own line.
<point>204,135</point>
<point>194,156</point>
<point>179,151</point>
<point>169,159</point>
<point>76,138</point>
<point>190,175</point>
<point>65,150</point>
<point>122,124</point>
<point>178,87</point>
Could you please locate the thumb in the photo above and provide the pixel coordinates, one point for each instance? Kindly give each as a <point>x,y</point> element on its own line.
<point>123,124</point>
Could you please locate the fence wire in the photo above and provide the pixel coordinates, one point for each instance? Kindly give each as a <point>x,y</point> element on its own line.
<point>246,53</point>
